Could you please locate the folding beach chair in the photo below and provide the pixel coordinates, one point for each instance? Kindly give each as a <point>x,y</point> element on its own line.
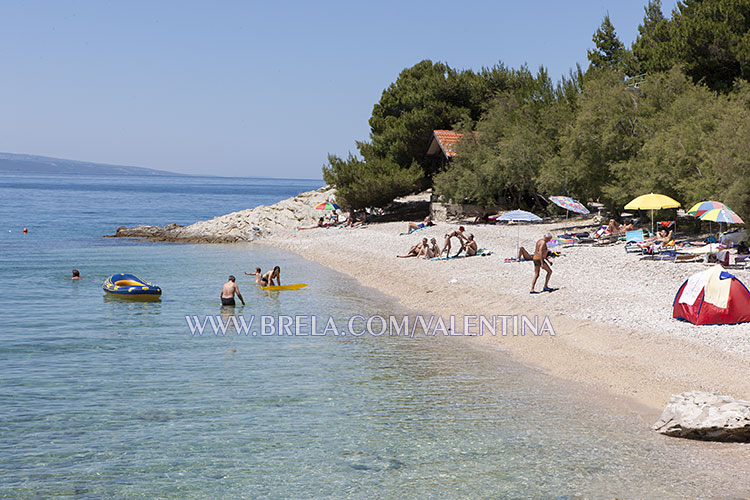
<point>632,238</point>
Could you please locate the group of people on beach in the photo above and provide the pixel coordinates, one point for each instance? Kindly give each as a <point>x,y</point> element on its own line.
<point>230,288</point>
<point>431,250</point>
<point>354,219</point>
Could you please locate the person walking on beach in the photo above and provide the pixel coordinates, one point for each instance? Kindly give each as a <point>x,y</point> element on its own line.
<point>267,279</point>
<point>228,290</point>
<point>541,261</point>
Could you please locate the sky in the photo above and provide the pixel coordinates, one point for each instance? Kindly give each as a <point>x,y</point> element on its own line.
<point>253,88</point>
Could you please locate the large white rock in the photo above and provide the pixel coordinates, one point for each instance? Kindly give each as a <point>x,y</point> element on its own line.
<point>707,416</point>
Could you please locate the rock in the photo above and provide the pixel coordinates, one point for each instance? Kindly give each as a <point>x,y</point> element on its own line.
<point>706,416</point>
<point>245,225</point>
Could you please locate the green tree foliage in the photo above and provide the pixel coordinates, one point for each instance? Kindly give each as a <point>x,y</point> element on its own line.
<point>516,136</point>
<point>609,52</point>
<point>375,183</point>
<point>652,50</point>
<point>425,97</point>
<point>710,39</point>
<point>684,131</point>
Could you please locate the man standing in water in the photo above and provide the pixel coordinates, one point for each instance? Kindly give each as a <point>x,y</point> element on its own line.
<point>541,261</point>
<point>228,291</point>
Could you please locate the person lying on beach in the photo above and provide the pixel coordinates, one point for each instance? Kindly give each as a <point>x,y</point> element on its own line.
<point>447,244</point>
<point>413,226</point>
<point>258,275</point>
<point>267,279</point>
<point>321,223</point>
<point>524,255</point>
<point>613,227</point>
<point>76,275</point>
<point>482,218</point>
<point>228,290</point>
<point>541,261</point>
<point>627,226</point>
<point>663,237</point>
<point>361,219</point>
<point>414,251</point>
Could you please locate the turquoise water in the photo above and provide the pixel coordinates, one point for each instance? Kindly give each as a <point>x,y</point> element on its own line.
<point>101,398</point>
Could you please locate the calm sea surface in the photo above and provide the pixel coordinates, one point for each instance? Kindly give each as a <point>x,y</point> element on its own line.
<point>101,398</point>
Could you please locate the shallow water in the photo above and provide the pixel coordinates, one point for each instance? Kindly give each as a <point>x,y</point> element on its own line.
<point>105,398</point>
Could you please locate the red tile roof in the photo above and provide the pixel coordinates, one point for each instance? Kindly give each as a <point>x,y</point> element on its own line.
<point>447,139</point>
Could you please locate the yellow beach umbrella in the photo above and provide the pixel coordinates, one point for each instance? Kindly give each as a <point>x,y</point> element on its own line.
<point>652,202</point>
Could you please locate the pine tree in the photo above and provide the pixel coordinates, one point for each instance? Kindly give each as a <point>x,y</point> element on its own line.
<point>609,51</point>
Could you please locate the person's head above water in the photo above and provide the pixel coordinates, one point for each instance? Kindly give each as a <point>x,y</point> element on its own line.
<point>76,274</point>
<point>257,270</point>
<point>231,278</point>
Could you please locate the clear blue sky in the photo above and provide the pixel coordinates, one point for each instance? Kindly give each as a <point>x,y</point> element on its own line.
<point>253,88</point>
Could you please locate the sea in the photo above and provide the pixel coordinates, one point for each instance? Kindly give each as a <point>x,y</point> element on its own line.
<point>105,398</point>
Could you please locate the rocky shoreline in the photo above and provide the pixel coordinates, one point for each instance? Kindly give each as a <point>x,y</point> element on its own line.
<point>238,227</point>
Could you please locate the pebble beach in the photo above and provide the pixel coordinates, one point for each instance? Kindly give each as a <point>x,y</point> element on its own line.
<point>611,314</point>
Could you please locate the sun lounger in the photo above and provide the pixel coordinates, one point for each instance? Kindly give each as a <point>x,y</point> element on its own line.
<point>633,239</point>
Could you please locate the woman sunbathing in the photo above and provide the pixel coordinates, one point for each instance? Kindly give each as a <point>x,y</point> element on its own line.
<point>413,226</point>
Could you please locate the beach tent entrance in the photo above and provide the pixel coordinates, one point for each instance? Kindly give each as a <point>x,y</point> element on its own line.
<point>712,297</point>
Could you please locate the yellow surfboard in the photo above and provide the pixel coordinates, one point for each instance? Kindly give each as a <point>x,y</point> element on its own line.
<point>295,286</point>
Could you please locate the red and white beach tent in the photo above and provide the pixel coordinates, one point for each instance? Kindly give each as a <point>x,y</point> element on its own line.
<point>712,297</point>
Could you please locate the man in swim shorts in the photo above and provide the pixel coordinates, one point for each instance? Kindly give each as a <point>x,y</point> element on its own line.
<point>541,261</point>
<point>228,290</point>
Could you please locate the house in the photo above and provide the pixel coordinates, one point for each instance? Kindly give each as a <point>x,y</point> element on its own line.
<point>441,149</point>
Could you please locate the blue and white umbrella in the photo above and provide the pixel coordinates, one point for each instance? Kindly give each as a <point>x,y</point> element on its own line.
<point>519,216</point>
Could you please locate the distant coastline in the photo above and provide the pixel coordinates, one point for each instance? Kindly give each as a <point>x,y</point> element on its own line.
<point>33,164</point>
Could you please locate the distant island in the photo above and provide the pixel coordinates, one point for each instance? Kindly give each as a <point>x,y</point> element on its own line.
<point>32,164</point>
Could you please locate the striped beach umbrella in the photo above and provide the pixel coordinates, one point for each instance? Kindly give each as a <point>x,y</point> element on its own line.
<point>327,205</point>
<point>722,215</point>
<point>569,204</point>
<point>702,207</point>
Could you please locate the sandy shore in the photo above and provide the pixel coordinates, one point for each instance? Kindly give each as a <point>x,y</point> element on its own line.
<point>611,315</point>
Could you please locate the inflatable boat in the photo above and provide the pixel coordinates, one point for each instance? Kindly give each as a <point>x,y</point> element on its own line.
<point>130,286</point>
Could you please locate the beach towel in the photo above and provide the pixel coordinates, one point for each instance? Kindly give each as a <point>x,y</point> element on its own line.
<point>413,230</point>
<point>482,252</point>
